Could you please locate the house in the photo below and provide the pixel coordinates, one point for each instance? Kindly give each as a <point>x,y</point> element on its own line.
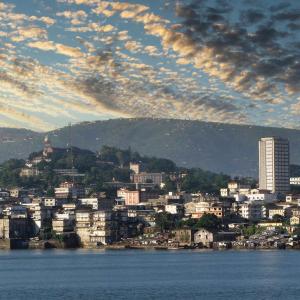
<point>250,210</point>
<point>206,237</point>
<point>281,211</point>
<point>295,220</point>
<point>29,172</point>
<point>15,228</point>
<point>184,237</point>
<point>206,207</point>
<point>174,209</point>
<point>62,225</point>
<point>69,190</point>
<point>155,178</point>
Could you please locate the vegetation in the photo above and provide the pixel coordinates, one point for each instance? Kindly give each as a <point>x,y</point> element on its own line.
<point>199,180</point>
<point>207,221</point>
<point>164,221</point>
<point>110,164</point>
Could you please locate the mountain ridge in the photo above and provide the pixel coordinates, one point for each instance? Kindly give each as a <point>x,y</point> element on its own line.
<point>218,147</point>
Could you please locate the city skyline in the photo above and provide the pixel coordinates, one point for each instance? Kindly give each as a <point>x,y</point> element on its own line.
<point>83,60</point>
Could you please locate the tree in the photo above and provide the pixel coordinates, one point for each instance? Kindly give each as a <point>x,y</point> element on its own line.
<point>278,218</point>
<point>209,221</point>
<point>164,221</point>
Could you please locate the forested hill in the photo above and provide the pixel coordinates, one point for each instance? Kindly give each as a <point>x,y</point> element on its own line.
<point>232,149</point>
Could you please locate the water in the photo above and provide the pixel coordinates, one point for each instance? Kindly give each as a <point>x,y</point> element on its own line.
<point>130,274</point>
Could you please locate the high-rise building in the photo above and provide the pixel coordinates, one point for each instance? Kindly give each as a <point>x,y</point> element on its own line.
<point>274,164</point>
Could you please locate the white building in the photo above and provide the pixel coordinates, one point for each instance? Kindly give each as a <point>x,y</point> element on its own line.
<point>252,211</point>
<point>265,197</point>
<point>93,202</point>
<point>295,181</point>
<point>274,161</point>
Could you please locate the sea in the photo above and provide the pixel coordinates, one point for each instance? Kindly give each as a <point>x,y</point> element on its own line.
<point>145,274</point>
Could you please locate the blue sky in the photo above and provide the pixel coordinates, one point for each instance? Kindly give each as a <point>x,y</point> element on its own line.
<point>213,60</point>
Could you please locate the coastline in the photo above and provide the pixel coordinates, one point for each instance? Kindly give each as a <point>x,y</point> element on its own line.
<point>54,245</point>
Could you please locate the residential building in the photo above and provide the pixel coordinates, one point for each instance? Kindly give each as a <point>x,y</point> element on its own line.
<point>184,237</point>
<point>295,181</point>
<point>130,197</point>
<point>49,202</point>
<point>262,196</point>
<point>206,237</point>
<point>280,210</point>
<point>274,161</point>
<point>295,220</point>
<point>207,207</point>
<point>29,172</point>
<point>69,190</point>
<point>63,222</point>
<point>155,178</point>
<point>4,195</point>
<point>15,228</point>
<point>175,209</point>
<point>134,197</point>
<point>135,167</point>
<point>250,210</point>
<point>93,202</point>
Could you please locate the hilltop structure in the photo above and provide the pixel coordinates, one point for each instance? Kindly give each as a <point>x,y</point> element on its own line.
<point>48,150</point>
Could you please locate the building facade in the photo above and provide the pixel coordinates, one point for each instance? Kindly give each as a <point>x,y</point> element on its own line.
<point>274,162</point>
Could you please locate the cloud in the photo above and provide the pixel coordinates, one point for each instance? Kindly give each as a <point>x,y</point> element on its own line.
<point>25,33</point>
<point>58,48</point>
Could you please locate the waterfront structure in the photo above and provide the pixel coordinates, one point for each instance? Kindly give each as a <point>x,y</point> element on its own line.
<point>274,161</point>
<point>207,237</point>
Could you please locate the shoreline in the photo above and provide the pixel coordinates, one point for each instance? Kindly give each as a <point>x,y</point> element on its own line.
<point>151,248</point>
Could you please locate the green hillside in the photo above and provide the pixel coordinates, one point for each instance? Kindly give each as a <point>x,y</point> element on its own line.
<point>231,149</point>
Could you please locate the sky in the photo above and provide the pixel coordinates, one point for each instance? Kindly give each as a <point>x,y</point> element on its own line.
<point>228,61</point>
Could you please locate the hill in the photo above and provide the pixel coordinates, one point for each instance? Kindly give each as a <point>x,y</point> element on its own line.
<point>231,149</point>
<point>96,169</point>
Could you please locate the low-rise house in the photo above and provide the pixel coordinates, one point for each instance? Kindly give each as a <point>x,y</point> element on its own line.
<point>92,202</point>
<point>214,208</point>
<point>143,177</point>
<point>296,212</point>
<point>4,195</point>
<point>280,210</point>
<point>269,225</point>
<point>206,237</point>
<point>184,237</point>
<point>174,209</point>
<point>290,198</point>
<point>49,202</point>
<point>29,172</point>
<point>295,220</point>
<point>69,190</point>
